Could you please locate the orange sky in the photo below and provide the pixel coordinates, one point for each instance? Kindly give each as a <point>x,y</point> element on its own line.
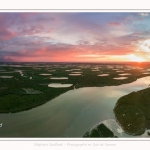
<point>74,37</point>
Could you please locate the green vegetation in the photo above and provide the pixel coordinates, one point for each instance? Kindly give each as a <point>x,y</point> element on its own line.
<point>28,88</point>
<point>22,93</point>
<point>99,131</point>
<point>132,111</point>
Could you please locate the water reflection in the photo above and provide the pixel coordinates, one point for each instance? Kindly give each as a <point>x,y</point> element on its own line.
<point>125,74</point>
<point>146,73</point>
<point>6,77</point>
<point>102,75</point>
<point>59,78</point>
<point>45,74</point>
<point>120,78</point>
<point>70,114</point>
<point>75,74</point>
<point>59,85</point>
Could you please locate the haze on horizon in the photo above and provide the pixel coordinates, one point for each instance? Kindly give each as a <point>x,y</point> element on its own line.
<point>75,37</point>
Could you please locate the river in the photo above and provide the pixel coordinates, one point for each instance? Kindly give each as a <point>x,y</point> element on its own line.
<point>70,114</point>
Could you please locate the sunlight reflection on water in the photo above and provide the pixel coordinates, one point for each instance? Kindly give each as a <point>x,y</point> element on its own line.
<point>70,114</point>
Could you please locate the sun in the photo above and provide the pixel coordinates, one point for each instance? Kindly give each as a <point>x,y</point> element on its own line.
<point>135,58</point>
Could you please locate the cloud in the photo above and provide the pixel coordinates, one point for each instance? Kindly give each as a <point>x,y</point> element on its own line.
<point>70,36</point>
<point>115,24</point>
<point>144,14</point>
<point>6,34</point>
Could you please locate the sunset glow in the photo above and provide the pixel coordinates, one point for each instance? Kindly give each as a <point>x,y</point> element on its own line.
<point>136,59</point>
<point>74,37</point>
<point>145,45</point>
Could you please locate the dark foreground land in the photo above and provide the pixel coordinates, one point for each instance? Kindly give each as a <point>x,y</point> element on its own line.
<point>100,131</point>
<point>28,88</point>
<point>133,112</point>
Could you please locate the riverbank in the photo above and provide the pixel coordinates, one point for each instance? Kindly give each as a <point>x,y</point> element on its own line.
<point>13,97</point>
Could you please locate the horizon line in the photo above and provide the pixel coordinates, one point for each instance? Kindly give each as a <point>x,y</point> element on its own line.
<point>68,62</point>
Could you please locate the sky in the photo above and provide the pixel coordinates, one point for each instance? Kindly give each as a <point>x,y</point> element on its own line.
<point>75,37</point>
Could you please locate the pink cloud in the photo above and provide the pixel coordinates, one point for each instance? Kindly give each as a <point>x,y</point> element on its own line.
<point>61,37</point>
<point>46,55</point>
<point>9,58</point>
<point>6,34</point>
<point>41,51</point>
<point>23,52</point>
<point>114,24</point>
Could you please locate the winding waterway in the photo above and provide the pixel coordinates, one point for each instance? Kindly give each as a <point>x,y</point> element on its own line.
<point>70,114</point>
